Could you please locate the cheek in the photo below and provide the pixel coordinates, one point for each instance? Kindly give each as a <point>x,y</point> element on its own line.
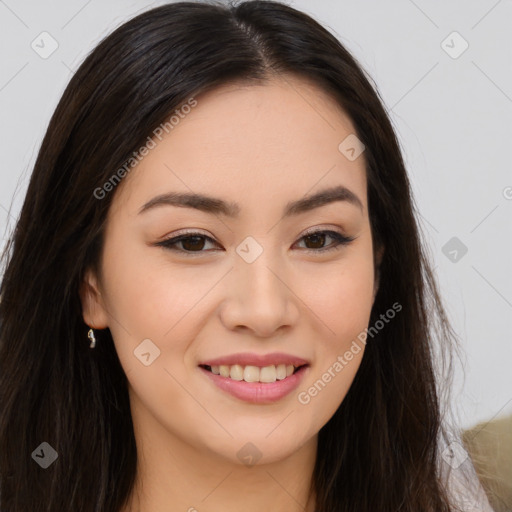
<point>342,300</point>
<point>148,299</point>
<point>146,293</point>
<point>352,295</point>
<point>341,296</point>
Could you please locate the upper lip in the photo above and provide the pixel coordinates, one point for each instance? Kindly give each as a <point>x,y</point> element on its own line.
<point>248,359</point>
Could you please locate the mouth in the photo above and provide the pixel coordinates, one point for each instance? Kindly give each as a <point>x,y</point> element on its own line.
<point>256,384</point>
<point>249,373</point>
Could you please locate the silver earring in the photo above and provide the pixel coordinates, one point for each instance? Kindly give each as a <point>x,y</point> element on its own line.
<point>91,336</point>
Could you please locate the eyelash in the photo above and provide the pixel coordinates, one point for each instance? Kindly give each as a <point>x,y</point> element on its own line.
<point>340,241</point>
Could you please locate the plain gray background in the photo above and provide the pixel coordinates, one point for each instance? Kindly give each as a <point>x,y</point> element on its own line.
<point>452,110</point>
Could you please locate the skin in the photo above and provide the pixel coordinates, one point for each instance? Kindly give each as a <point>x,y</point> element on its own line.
<point>260,146</point>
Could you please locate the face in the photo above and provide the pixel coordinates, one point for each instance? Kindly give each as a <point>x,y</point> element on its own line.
<point>266,278</point>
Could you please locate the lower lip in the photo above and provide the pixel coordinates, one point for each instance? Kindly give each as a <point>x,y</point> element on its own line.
<point>258,392</point>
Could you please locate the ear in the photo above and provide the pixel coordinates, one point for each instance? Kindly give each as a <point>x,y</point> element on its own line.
<point>378,259</point>
<point>93,308</point>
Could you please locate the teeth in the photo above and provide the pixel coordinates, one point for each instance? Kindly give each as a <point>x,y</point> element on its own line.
<point>236,372</point>
<point>268,374</point>
<point>251,374</point>
<point>281,372</point>
<point>254,373</point>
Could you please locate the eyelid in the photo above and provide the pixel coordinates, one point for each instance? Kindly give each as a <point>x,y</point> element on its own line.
<point>321,228</point>
<point>187,231</point>
<point>197,231</point>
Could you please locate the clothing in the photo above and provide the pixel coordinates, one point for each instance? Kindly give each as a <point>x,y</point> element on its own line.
<point>459,476</point>
<point>490,446</point>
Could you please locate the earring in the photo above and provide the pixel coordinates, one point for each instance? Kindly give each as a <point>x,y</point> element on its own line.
<point>91,336</point>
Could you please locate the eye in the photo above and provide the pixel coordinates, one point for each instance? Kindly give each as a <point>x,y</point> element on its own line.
<point>190,242</point>
<point>195,242</point>
<point>318,237</point>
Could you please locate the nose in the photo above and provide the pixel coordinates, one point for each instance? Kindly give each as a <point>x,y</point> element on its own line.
<point>259,297</point>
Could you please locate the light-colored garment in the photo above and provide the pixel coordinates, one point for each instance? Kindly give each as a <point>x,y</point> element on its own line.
<point>459,476</point>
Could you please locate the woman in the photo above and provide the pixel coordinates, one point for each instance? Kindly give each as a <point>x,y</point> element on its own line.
<point>229,302</point>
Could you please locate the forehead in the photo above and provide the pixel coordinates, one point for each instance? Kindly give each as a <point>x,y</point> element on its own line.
<point>251,143</point>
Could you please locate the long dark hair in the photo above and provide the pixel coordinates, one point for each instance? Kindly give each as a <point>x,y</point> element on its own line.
<point>380,449</point>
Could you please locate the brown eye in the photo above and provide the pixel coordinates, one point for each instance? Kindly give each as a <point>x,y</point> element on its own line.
<point>193,243</point>
<point>190,243</point>
<point>317,240</point>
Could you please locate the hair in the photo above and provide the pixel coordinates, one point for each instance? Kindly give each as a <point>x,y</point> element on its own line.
<point>380,450</point>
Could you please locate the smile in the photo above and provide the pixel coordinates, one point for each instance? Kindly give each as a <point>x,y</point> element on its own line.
<point>251,373</point>
<point>259,385</point>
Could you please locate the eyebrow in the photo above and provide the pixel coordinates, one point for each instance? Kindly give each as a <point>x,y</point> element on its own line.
<point>218,206</point>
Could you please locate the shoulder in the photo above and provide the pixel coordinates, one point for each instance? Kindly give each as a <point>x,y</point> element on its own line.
<point>459,477</point>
